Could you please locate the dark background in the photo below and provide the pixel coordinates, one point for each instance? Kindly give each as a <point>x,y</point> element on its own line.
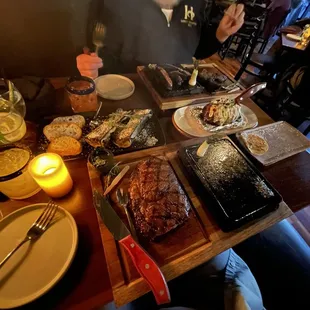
<point>43,37</point>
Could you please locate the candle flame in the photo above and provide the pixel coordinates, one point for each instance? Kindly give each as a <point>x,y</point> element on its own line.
<point>49,171</point>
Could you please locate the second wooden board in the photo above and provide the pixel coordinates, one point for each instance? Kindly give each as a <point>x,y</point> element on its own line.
<point>181,101</point>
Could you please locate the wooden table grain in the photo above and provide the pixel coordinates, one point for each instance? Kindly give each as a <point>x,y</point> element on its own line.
<point>86,285</point>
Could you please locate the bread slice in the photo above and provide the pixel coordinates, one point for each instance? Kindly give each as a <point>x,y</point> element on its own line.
<point>54,131</point>
<point>65,146</point>
<point>74,119</point>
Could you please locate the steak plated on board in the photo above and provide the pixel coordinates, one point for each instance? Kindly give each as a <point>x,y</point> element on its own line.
<point>158,201</point>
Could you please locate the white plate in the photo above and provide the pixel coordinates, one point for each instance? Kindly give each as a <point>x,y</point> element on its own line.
<point>36,267</point>
<point>180,122</point>
<point>293,37</point>
<point>114,87</point>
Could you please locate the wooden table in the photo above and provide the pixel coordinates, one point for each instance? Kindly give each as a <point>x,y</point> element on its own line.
<point>86,285</point>
<point>291,44</point>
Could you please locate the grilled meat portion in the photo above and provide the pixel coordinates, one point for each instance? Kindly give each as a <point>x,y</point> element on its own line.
<point>212,76</point>
<point>157,200</point>
<point>161,76</point>
<point>124,135</point>
<point>102,133</point>
<point>122,127</point>
<point>176,78</point>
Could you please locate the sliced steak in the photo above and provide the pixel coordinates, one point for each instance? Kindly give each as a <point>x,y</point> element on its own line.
<point>157,200</point>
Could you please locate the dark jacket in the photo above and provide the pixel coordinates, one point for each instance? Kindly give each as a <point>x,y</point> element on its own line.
<point>138,34</point>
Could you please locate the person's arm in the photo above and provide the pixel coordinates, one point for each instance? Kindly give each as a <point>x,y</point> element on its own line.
<point>211,37</point>
<point>108,58</point>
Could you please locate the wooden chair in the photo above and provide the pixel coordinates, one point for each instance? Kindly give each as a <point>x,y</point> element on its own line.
<point>260,60</point>
<point>255,19</point>
<point>265,36</point>
<point>294,101</point>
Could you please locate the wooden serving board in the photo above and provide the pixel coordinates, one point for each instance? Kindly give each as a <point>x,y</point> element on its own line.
<point>181,250</point>
<point>178,102</point>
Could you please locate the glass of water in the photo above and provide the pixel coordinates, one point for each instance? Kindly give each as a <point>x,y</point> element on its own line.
<point>12,124</point>
<point>16,98</point>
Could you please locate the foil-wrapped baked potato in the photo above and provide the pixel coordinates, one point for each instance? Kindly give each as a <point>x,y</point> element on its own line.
<point>221,112</point>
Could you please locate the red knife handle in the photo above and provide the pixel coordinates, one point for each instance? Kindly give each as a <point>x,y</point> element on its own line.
<point>148,269</point>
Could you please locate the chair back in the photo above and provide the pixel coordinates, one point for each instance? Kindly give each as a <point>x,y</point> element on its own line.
<point>254,28</point>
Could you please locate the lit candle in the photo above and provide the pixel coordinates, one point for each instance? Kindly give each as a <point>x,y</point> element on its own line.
<point>51,174</point>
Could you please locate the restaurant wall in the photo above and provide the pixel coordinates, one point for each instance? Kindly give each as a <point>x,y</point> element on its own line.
<point>43,37</point>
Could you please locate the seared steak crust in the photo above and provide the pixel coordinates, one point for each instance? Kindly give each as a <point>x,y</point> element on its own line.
<point>158,202</point>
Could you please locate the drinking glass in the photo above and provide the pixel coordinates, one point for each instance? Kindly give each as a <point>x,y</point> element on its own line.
<point>12,124</point>
<point>82,94</point>
<point>18,101</point>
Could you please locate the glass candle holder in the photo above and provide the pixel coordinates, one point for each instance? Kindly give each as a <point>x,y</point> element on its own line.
<point>51,174</point>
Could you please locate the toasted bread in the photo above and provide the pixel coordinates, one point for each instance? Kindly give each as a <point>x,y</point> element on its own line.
<point>54,131</point>
<point>74,119</point>
<point>65,146</point>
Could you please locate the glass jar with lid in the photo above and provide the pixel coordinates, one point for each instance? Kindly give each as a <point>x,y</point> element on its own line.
<point>82,94</point>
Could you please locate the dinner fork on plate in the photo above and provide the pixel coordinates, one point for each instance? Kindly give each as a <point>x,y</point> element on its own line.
<point>123,201</point>
<point>37,228</point>
<point>98,36</point>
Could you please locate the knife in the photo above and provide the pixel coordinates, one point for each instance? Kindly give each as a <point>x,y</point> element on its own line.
<point>251,91</point>
<point>145,265</point>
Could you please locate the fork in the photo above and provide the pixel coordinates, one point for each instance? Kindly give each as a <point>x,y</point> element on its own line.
<point>37,228</point>
<point>123,201</point>
<point>98,36</point>
<point>94,122</point>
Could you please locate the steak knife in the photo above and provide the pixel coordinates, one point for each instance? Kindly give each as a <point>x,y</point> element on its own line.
<point>145,265</point>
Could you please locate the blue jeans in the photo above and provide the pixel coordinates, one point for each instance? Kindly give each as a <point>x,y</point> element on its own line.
<point>280,261</point>
<point>275,262</point>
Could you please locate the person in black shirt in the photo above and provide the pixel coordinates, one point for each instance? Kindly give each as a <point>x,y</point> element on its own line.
<point>158,31</point>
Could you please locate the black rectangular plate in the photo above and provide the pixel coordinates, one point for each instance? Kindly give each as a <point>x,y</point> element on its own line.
<point>184,90</point>
<point>202,86</point>
<point>152,126</point>
<point>234,190</point>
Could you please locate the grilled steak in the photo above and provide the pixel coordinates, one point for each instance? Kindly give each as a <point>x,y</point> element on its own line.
<point>157,200</point>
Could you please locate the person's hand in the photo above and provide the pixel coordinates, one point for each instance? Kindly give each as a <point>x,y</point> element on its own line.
<point>231,22</point>
<point>88,65</point>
